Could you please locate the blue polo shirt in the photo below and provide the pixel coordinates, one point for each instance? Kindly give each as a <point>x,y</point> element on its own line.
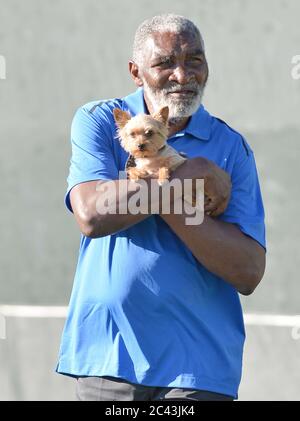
<point>142,307</point>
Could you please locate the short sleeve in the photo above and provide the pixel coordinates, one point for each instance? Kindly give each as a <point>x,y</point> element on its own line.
<point>245,208</point>
<point>92,151</point>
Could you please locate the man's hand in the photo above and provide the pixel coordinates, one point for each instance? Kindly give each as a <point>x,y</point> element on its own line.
<point>217,184</point>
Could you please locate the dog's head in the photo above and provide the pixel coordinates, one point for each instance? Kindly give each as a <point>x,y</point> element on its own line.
<point>143,135</point>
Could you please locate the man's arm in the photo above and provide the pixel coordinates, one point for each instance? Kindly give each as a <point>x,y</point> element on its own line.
<point>92,221</point>
<point>222,249</point>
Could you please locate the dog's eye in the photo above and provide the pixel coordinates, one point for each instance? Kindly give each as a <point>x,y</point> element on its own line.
<point>132,134</point>
<point>148,133</point>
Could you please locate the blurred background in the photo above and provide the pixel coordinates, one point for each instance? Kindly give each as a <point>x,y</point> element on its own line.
<point>60,54</point>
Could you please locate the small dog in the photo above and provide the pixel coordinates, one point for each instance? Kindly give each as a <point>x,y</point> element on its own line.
<point>144,138</point>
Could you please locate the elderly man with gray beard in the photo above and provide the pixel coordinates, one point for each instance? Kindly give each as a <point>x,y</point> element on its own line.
<point>155,312</point>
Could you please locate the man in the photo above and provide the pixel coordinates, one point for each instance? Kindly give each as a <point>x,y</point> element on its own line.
<point>155,313</point>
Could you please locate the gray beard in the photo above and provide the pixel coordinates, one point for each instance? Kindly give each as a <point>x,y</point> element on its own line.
<point>178,110</point>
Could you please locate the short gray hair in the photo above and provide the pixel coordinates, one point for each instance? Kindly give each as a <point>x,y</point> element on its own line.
<point>161,23</point>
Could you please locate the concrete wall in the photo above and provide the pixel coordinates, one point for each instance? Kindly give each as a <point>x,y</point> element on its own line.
<point>60,54</point>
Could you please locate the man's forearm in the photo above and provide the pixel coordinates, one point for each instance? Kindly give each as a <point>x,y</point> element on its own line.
<point>105,207</point>
<point>95,220</point>
<point>222,249</point>
<point>101,207</point>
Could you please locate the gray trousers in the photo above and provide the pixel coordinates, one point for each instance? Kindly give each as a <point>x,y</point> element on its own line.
<point>107,388</point>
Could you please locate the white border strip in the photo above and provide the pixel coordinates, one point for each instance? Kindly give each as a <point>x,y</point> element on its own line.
<point>57,312</point>
<point>278,320</point>
<point>37,312</point>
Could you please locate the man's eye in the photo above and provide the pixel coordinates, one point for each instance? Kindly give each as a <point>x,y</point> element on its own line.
<point>197,59</point>
<point>164,62</point>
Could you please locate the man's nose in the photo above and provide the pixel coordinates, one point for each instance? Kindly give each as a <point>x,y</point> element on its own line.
<point>181,75</point>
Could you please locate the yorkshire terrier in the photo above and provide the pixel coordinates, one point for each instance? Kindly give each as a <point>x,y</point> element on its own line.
<point>144,138</point>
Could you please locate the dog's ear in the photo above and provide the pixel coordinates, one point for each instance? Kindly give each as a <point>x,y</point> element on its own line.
<point>162,115</point>
<point>121,117</point>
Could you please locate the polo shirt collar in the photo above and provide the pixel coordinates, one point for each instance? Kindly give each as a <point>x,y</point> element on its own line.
<point>135,102</point>
<point>199,125</point>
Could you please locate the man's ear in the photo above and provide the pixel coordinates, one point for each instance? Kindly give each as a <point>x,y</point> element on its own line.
<point>121,117</point>
<point>134,71</point>
<point>162,115</point>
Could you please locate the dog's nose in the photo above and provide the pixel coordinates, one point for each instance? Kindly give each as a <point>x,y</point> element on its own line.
<point>141,146</point>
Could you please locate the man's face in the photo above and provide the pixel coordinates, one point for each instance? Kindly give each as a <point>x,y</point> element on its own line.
<point>174,72</point>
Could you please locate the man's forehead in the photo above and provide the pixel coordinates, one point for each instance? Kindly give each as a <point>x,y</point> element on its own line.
<point>168,43</point>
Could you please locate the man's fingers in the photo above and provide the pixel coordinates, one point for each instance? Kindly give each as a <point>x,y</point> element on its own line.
<point>214,209</point>
<point>217,211</point>
<point>210,204</point>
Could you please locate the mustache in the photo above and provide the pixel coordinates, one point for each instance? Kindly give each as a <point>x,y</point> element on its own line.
<point>175,87</point>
